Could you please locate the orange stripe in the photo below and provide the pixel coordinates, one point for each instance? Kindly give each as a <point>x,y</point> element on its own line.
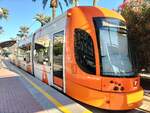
<point>58,81</point>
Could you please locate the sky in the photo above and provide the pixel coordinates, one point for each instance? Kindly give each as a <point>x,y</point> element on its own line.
<point>22,12</point>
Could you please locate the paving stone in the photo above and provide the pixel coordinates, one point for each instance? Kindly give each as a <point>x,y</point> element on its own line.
<point>70,104</point>
<point>14,97</point>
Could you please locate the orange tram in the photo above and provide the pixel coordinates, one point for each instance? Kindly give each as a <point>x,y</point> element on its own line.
<point>84,53</point>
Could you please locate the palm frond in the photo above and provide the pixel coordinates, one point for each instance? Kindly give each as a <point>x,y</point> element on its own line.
<point>43,19</point>
<point>44,3</point>
<point>66,2</point>
<point>61,8</point>
<point>23,31</point>
<point>5,13</point>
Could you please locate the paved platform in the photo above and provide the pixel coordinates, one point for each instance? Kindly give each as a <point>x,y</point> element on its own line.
<point>14,97</point>
<point>30,95</point>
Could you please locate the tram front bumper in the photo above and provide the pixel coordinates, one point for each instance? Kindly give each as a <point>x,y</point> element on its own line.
<point>124,101</point>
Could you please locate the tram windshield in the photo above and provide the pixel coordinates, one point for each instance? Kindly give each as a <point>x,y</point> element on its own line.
<point>113,43</point>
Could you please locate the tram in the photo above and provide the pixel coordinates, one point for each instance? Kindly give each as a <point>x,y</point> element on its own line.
<point>24,54</point>
<point>84,53</point>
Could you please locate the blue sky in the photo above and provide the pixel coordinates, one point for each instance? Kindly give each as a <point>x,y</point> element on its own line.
<point>22,12</point>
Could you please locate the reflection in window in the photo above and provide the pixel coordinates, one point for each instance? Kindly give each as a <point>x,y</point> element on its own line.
<point>58,54</point>
<point>41,52</point>
<point>113,47</point>
<point>21,54</point>
<point>24,53</point>
<point>27,57</point>
<point>114,52</point>
<point>84,51</point>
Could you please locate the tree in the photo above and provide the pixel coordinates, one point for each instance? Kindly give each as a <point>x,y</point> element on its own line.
<point>138,24</point>
<point>42,19</point>
<point>53,5</point>
<point>4,13</point>
<point>23,32</point>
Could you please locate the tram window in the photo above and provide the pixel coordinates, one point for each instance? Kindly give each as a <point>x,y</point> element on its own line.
<point>113,47</point>
<point>41,53</point>
<point>58,54</point>
<point>84,51</point>
<point>27,57</point>
<point>21,54</point>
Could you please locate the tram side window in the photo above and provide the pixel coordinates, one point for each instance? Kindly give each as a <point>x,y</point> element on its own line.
<point>41,54</point>
<point>27,57</point>
<point>84,51</point>
<point>21,54</point>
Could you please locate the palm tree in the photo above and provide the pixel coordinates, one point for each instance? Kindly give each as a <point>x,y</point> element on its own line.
<point>42,19</point>
<point>4,13</point>
<point>23,32</point>
<point>1,11</point>
<point>47,19</point>
<point>54,4</point>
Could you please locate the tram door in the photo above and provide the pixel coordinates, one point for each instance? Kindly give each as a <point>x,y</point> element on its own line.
<point>58,56</point>
<point>42,63</point>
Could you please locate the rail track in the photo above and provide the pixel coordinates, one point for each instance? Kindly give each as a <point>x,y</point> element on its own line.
<point>143,110</point>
